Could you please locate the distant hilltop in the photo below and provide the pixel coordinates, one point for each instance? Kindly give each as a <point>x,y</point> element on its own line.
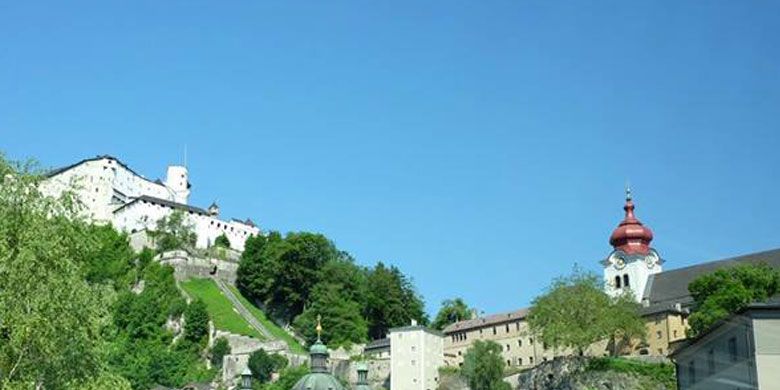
<point>111,192</point>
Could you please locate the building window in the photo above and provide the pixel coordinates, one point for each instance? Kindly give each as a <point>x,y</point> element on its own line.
<point>531,341</point>
<point>508,362</point>
<point>519,361</point>
<point>507,347</point>
<point>711,362</point>
<point>625,280</point>
<point>414,362</point>
<point>520,343</point>
<point>692,372</point>
<point>507,328</point>
<point>413,348</point>
<point>517,326</point>
<point>494,330</point>
<point>674,332</point>
<point>617,281</point>
<point>733,349</point>
<point>531,360</point>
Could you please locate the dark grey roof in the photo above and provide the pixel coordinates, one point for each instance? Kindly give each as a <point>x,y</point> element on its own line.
<point>57,171</point>
<point>164,202</point>
<point>772,306</point>
<point>490,320</point>
<point>378,344</point>
<point>670,287</point>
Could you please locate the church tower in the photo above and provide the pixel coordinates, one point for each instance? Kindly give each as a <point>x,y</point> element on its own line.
<point>178,182</point>
<point>632,260</point>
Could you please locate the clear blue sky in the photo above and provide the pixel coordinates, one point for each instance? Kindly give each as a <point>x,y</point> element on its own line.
<point>482,147</point>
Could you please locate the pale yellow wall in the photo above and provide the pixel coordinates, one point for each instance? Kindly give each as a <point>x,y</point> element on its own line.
<point>767,342</point>
<point>519,347</point>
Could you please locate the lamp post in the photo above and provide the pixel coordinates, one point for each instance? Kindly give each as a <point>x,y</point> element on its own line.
<point>246,379</point>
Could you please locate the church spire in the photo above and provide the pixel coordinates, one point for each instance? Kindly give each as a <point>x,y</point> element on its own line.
<point>631,236</point>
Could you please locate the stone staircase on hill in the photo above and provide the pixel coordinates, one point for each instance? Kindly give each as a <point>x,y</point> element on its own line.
<point>243,311</point>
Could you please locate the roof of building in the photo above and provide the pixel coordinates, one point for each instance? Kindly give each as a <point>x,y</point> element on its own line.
<point>57,171</point>
<point>772,305</point>
<point>164,202</point>
<point>493,319</point>
<point>416,327</point>
<point>377,344</point>
<point>631,236</point>
<point>670,287</point>
<point>318,381</point>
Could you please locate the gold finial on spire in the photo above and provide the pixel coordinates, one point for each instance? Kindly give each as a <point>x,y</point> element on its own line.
<point>319,327</point>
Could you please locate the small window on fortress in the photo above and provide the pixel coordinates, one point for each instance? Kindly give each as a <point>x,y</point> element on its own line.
<point>617,281</point>
<point>625,280</point>
<point>508,362</point>
<point>519,361</point>
<point>507,328</point>
<point>507,347</point>
<point>519,343</point>
<point>494,330</point>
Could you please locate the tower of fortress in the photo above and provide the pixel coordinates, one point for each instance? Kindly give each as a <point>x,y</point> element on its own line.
<point>112,192</point>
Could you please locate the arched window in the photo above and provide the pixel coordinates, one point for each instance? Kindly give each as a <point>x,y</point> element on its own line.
<point>625,280</point>
<point>617,281</point>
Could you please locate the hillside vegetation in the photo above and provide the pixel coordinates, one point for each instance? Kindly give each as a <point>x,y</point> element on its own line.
<point>220,309</point>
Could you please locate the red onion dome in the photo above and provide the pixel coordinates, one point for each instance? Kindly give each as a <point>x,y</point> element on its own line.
<point>631,236</point>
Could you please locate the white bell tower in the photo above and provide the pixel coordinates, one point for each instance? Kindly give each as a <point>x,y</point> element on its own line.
<point>632,261</point>
<point>178,181</point>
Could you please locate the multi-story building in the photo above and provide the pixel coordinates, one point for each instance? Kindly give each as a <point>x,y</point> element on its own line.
<point>509,330</point>
<point>632,267</point>
<point>111,192</point>
<point>416,354</point>
<point>741,352</point>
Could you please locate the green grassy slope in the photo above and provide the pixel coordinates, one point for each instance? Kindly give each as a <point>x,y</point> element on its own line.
<point>274,329</point>
<point>219,307</point>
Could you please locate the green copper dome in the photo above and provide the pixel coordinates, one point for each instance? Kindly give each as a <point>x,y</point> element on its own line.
<point>318,381</point>
<point>318,348</point>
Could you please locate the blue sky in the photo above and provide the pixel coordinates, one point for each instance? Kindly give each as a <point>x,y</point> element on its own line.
<point>482,147</point>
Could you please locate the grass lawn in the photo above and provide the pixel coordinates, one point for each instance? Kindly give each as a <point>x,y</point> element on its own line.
<point>275,330</point>
<point>220,309</point>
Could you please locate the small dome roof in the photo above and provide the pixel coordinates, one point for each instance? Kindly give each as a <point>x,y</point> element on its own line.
<point>318,381</point>
<point>318,348</point>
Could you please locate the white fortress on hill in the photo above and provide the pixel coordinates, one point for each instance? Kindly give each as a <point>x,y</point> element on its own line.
<point>111,192</point>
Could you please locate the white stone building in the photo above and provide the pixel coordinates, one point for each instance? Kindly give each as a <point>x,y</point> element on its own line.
<point>416,354</point>
<point>111,192</point>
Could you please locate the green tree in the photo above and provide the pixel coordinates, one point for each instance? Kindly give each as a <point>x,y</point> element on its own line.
<point>196,325</point>
<point>452,311</point>
<point>282,273</point>
<point>575,313</point>
<point>174,231</point>
<point>109,257</point>
<point>50,317</point>
<point>727,291</point>
<point>483,367</point>
<point>263,365</point>
<point>392,301</point>
<point>222,241</point>
<point>288,378</point>
<point>218,351</point>
<point>342,321</point>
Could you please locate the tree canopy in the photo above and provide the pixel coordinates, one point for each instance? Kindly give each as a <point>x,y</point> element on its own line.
<point>263,364</point>
<point>575,312</point>
<point>483,367</point>
<point>729,290</point>
<point>51,318</point>
<point>174,231</point>
<point>451,311</point>
<point>301,275</point>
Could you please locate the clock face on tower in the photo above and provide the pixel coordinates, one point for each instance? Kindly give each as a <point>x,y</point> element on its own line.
<point>651,259</point>
<point>617,261</point>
